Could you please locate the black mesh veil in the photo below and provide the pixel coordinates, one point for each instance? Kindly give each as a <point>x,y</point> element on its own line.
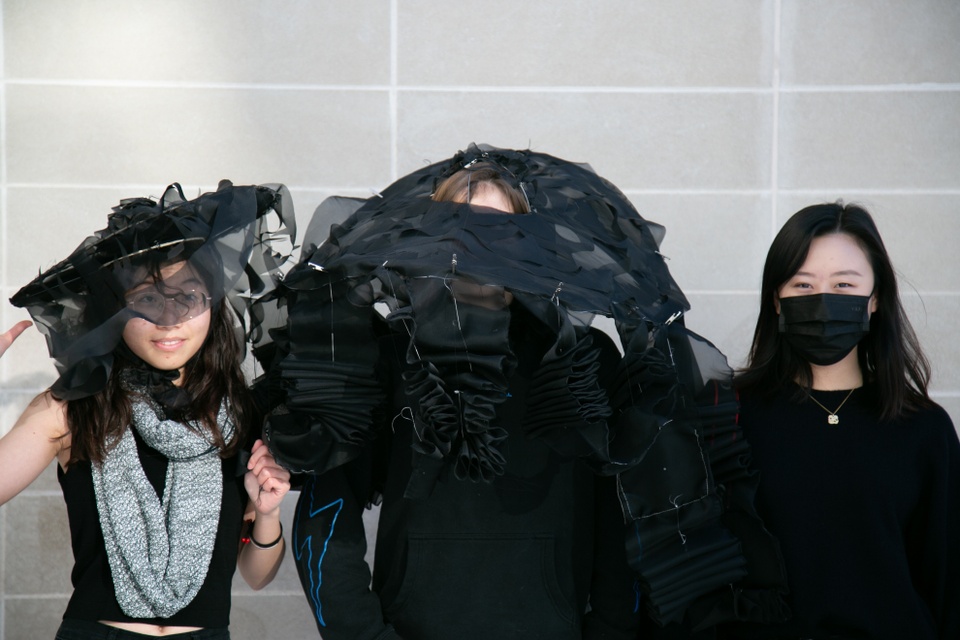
<point>238,238</point>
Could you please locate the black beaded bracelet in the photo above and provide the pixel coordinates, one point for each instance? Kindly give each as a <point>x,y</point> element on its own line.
<point>271,545</point>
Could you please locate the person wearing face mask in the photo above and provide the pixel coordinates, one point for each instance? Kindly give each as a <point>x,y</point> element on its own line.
<point>859,468</point>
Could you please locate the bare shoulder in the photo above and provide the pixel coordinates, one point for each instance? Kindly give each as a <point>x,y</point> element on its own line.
<point>45,415</point>
<point>37,438</point>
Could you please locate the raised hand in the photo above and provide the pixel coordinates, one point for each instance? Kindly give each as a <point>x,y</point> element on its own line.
<point>6,339</point>
<point>266,481</point>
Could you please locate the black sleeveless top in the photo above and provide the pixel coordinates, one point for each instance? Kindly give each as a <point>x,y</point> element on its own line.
<point>93,594</point>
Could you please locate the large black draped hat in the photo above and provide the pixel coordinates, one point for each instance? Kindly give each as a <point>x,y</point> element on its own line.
<point>583,243</point>
<point>441,269</point>
<point>237,239</point>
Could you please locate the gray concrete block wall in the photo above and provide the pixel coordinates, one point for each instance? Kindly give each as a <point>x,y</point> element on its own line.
<point>718,119</point>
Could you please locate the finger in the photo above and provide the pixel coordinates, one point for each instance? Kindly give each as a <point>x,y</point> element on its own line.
<point>263,477</point>
<point>272,483</point>
<point>265,465</point>
<point>257,455</point>
<point>282,475</point>
<point>260,451</point>
<point>7,338</point>
<point>254,464</point>
<point>273,471</point>
<point>272,495</point>
<point>253,492</point>
<point>264,468</point>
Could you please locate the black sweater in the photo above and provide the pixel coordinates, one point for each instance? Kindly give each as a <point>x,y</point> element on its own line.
<point>867,514</point>
<point>520,557</point>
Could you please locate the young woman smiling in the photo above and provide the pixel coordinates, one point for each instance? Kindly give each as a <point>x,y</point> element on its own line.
<point>150,420</point>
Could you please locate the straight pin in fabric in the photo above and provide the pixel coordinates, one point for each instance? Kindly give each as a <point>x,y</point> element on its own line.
<point>526,198</point>
<point>674,501</point>
<point>333,343</point>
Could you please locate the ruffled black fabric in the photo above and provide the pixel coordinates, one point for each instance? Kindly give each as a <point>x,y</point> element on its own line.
<point>760,595</point>
<point>463,359</point>
<point>328,377</point>
<point>566,407</point>
<point>239,236</point>
<point>698,544</point>
<point>440,273</point>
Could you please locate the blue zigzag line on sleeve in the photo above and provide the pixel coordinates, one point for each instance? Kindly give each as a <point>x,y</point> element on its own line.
<point>315,575</point>
<point>636,583</point>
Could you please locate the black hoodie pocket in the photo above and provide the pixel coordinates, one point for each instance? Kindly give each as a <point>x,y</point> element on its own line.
<point>483,586</point>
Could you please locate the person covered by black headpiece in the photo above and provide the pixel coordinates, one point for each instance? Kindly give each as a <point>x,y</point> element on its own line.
<point>147,321</point>
<point>439,354</point>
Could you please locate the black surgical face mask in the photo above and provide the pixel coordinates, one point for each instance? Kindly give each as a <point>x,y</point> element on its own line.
<point>824,328</point>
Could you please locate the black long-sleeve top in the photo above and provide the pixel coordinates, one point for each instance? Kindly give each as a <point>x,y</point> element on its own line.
<point>867,514</point>
<point>520,557</point>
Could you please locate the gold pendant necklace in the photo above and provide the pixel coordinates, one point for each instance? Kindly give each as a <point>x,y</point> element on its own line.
<point>832,417</point>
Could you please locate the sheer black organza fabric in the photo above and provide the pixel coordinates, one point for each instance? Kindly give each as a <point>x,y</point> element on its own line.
<point>239,238</point>
<point>448,276</point>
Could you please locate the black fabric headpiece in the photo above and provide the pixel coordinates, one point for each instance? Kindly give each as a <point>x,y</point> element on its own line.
<point>237,238</point>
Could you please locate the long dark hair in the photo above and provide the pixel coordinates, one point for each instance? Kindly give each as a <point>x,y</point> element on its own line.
<point>890,356</point>
<point>212,375</point>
